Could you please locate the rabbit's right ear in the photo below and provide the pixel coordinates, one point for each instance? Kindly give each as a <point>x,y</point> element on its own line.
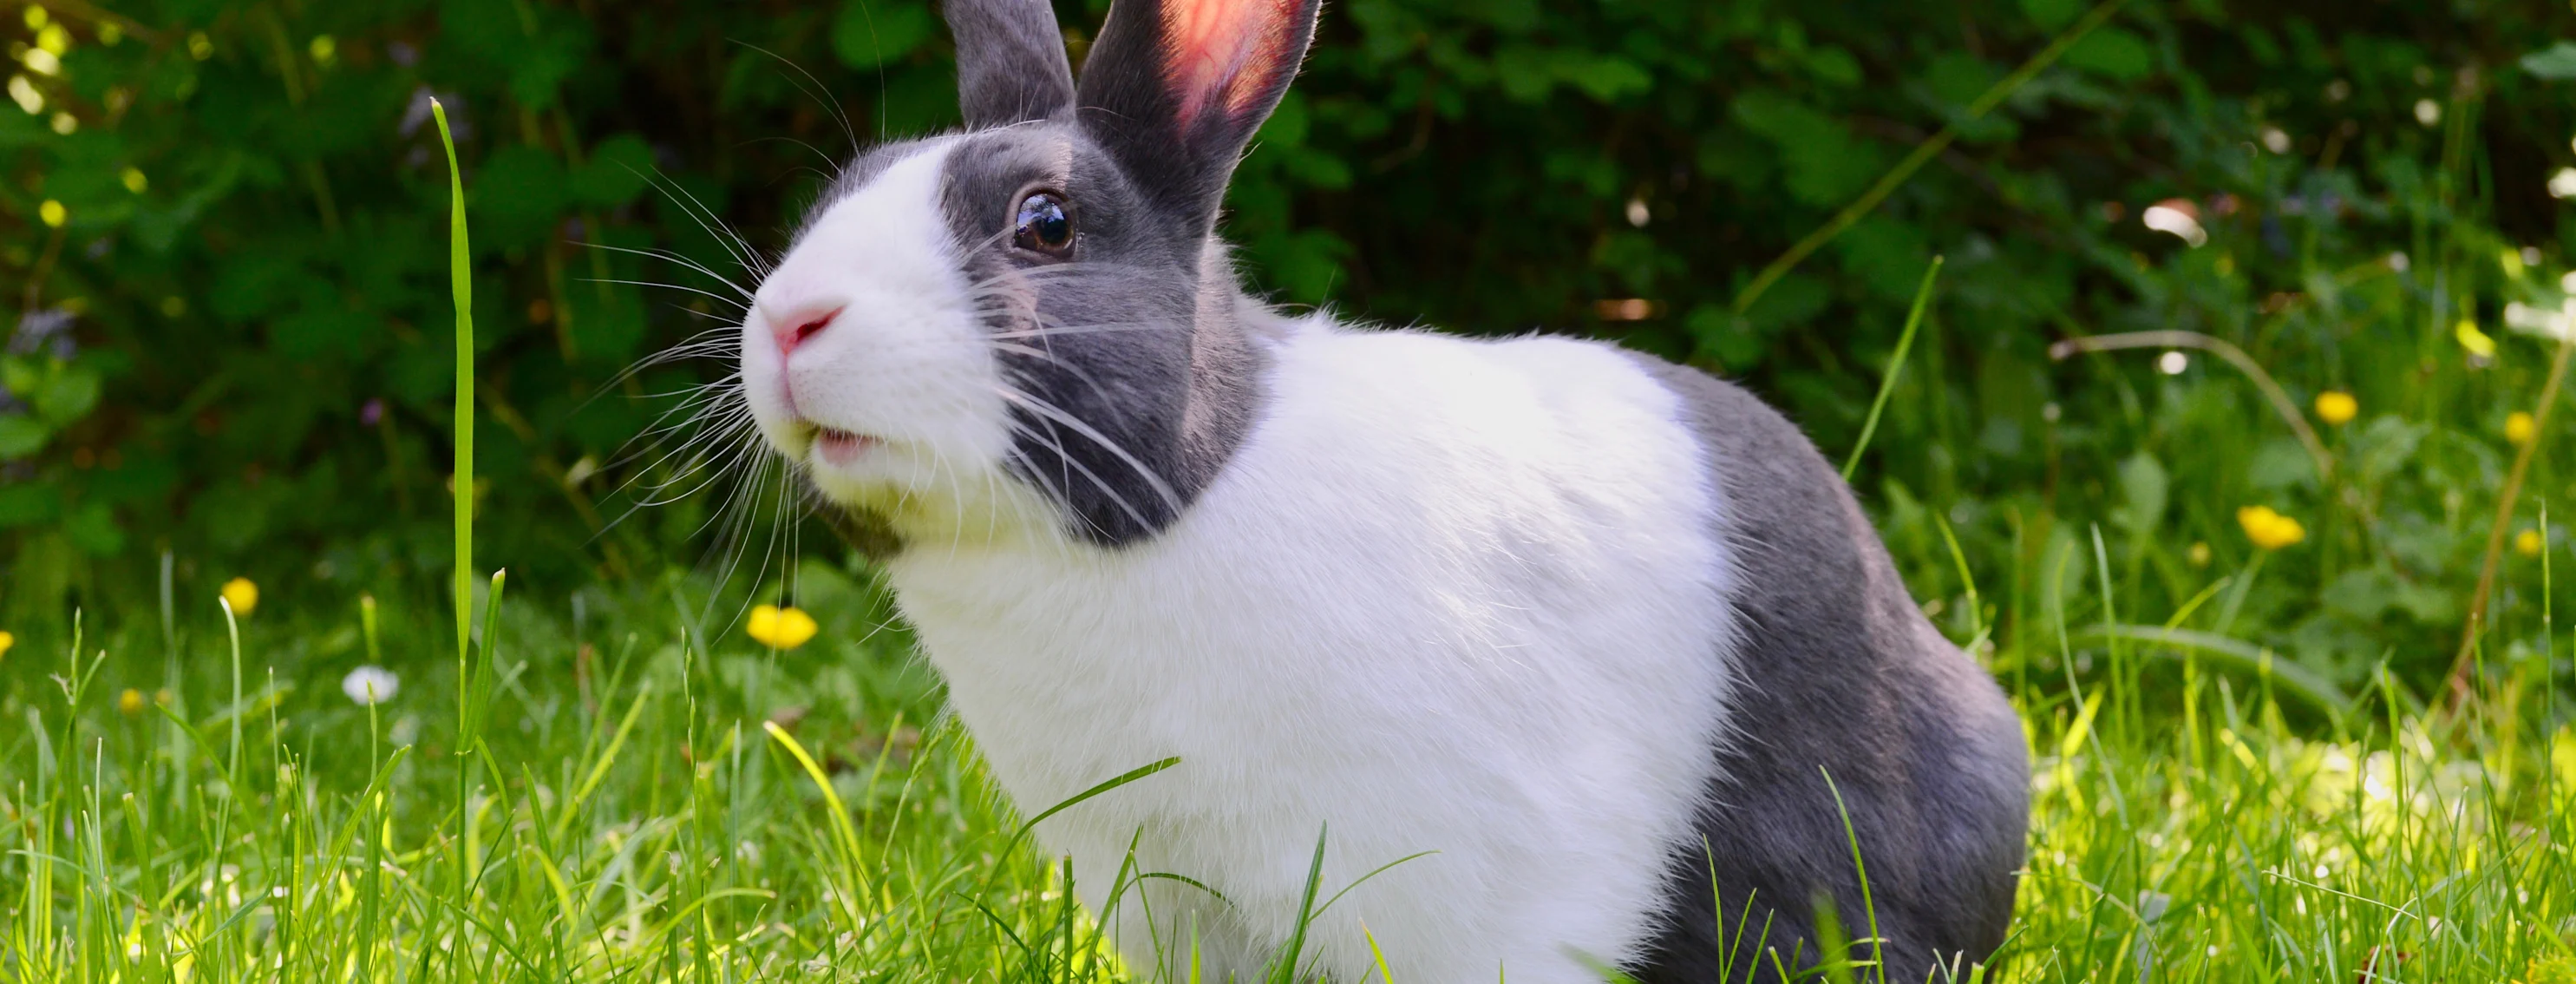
<point>1176,88</point>
<point>1011,66</point>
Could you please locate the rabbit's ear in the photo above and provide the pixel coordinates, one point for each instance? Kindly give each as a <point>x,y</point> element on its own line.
<point>1010,61</point>
<point>1175,88</point>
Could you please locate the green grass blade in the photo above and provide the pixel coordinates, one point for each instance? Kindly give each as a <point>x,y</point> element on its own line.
<point>2309,685</point>
<point>1895,365</point>
<point>461,281</point>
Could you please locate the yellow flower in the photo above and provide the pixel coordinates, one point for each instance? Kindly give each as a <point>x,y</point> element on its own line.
<point>2337,407</point>
<point>52,213</point>
<point>6,641</point>
<point>2519,427</point>
<point>2480,344</point>
<point>2529,543</point>
<point>2549,970</point>
<point>2199,554</point>
<point>780,628</point>
<point>2269,529</point>
<point>130,702</point>
<point>242,595</point>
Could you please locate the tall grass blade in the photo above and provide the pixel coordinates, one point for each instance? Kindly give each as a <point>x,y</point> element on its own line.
<point>1895,365</point>
<point>461,281</point>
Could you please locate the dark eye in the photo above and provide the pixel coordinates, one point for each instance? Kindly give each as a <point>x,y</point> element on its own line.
<point>1044,226</point>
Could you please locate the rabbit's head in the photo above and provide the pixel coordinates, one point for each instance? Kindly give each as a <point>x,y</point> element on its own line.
<point>1029,327</point>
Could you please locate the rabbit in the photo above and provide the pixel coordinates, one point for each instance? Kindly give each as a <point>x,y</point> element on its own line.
<point>1569,658</point>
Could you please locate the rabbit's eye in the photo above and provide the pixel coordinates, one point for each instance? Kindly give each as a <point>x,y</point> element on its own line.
<point>1044,226</point>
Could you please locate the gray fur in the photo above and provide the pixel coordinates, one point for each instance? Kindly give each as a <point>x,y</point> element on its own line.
<point>1838,672</point>
<point>1129,104</point>
<point>1133,381</point>
<point>1011,66</point>
<point>1136,336</point>
<point>1132,377</point>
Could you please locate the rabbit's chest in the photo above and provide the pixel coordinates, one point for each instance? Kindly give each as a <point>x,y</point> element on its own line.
<point>1450,598</point>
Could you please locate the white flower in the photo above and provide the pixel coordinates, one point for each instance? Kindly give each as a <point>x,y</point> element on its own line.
<point>2177,216</point>
<point>370,685</point>
<point>2541,321</point>
<point>2563,183</point>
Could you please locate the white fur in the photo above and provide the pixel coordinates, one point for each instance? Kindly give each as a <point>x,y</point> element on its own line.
<point>1449,595</point>
<point>906,361</point>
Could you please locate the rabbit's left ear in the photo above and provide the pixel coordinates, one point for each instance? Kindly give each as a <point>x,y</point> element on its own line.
<point>1176,88</point>
<point>1010,61</point>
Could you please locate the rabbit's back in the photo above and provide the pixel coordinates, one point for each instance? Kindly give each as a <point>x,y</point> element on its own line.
<point>1840,675</point>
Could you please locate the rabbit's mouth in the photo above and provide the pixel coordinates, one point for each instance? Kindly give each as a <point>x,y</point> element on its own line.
<point>841,448</point>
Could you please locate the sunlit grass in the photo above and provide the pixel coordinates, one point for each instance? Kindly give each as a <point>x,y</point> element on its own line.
<point>631,820</point>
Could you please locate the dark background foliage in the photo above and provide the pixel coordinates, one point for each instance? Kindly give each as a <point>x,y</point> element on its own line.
<point>224,226</point>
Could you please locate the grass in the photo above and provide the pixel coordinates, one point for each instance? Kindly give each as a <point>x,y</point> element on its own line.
<point>652,799</point>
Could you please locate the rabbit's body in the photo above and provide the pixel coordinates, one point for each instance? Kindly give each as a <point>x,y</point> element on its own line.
<point>1592,627</point>
<point>1443,597</point>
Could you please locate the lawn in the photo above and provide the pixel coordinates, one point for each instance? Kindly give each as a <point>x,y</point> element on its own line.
<point>652,795</point>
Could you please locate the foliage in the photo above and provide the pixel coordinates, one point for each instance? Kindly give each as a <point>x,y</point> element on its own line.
<point>235,340</point>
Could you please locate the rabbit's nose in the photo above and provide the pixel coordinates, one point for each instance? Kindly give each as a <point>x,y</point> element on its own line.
<point>792,327</point>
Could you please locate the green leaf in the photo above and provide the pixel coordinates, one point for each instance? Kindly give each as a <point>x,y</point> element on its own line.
<point>610,331</point>
<point>320,329</point>
<point>1825,165</point>
<point>2113,53</point>
<point>2052,14</point>
<point>1834,65</point>
<point>2557,63</point>
<point>539,71</point>
<point>20,436</point>
<point>518,194</point>
<point>1724,335</point>
<point>1608,77</point>
<point>93,528</point>
<point>68,396</point>
<point>1887,256</point>
<point>1523,73</point>
<point>1795,299</point>
<point>869,33</point>
<point>619,168</point>
<point>21,375</point>
<point>1287,124</point>
<point>28,503</point>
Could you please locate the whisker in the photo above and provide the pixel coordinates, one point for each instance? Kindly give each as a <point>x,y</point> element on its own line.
<point>669,256</point>
<point>1115,497</point>
<point>1058,414</point>
<point>838,115</point>
<point>711,295</point>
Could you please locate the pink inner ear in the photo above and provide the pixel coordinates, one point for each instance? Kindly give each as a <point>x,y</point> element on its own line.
<point>1224,52</point>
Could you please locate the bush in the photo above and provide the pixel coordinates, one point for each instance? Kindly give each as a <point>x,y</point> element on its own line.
<point>234,343</point>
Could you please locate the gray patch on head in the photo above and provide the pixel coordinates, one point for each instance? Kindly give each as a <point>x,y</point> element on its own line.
<point>1838,674</point>
<point>1133,380</point>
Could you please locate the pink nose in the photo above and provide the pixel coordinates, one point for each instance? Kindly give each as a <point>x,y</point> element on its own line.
<point>793,328</point>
